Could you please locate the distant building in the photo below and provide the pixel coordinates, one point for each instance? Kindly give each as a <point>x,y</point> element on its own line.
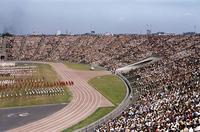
<point>160,33</point>
<point>34,33</point>
<point>189,33</point>
<point>108,34</point>
<point>58,32</point>
<point>92,32</point>
<point>148,31</point>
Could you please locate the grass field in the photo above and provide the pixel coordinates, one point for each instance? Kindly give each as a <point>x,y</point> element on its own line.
<point>76,66</point>
<point>42,71</point>
<point>111,87</point>
<point>99,113</point>
<point>82,67</point>
<point>46,72</point>
<point>36,100</point>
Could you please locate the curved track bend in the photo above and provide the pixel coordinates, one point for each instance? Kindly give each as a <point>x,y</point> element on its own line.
<point>85,101</point>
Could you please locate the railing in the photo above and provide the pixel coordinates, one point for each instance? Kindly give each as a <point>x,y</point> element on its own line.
<point>116,112</point>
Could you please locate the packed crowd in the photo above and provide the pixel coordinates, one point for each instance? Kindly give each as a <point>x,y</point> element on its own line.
<point>116,51</point>
<point>169,96</point>
<point>169,89</point>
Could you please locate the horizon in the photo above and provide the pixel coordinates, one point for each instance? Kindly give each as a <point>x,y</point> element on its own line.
<point>115,16</point>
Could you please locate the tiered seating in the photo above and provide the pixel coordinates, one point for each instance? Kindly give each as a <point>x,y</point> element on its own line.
<point>117,51</point>
<point>168,88</point>
<point>169,96</point>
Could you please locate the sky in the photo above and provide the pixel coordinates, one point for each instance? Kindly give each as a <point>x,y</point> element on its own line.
<point>115,16</point>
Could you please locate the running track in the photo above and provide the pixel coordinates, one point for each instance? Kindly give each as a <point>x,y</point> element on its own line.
<point>85,101</point>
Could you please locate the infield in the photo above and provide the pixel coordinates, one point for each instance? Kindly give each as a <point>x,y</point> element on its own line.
<point>111,87</point>
<point>82,67</point>
<point>31,84</point>
<point>78,66</point>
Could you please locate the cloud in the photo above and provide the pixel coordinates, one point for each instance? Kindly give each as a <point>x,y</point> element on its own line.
<point>187,14</point>
<point>121,19</point>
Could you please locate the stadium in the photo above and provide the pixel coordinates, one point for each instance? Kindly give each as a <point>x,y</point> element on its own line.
<point>159,75</point>
<point>99,66</point>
